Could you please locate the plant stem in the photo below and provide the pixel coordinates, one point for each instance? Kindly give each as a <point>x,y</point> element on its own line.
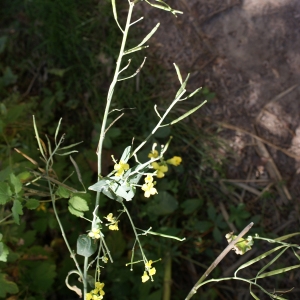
<point>134,230</point>
<point>112,86</point>
<point>104,121</point>
<point>167,277</point>
<point>217,261</point>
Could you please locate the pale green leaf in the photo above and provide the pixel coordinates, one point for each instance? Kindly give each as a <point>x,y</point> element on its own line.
<point>178,73</point>
<point>78,203</point>
<point>143,41</point>
<point>278,271</point>
<point>98,186</point>
<point>16,183</point>
<point>32,203</point>
<point>17,210</point>
<point>188,113</point>
<point>126,154</point>
<point>62,192</point>
<point>85,246</point>
<point>3,252</point>
<point>75,212</point>
<point>5,192</point>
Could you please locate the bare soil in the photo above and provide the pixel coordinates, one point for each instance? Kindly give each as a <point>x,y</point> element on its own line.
<point>248,53</point>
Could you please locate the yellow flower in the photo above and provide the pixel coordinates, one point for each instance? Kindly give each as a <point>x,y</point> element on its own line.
<point>153,154</point>
<point>121,167</point>
<point>88,296</point>
<point>110,218</point>
<point>94,233</point>
<point>152,271</point>
<point>97,293</point>
<point>175,161</point>
<point>160,169</point>
<point>149,189</point>
<point>148,264</point>
<point>99,285</point>
<point>149,178</point>
<point>42,207</point>
<point>104,259</point>
<point>113,226</point>
<point>145,277</point>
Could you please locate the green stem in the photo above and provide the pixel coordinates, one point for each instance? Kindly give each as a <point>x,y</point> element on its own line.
<point>159,123</point>
<point>134,230</point>
<point>113,84</point>
<point>56,214</point>
<point>105,116</point>
<point>167,277</point>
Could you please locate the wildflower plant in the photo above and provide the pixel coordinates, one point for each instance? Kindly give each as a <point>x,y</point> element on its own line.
<point>121,184</point>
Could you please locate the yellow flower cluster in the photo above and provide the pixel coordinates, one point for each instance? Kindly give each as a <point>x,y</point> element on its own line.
<point>121,167</point>
<point>161,168</point>
<point>113,222</point>
<point>148,186</point>
<point>151,270</point>
<point>97,293</point>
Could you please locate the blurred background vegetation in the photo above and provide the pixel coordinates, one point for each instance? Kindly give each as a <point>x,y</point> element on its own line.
<point>57,58</point>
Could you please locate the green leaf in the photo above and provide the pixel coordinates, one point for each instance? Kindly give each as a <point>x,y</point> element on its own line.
<point>98,186</point>
<point>32,203</point>
<point>16,183</point>
<point>178,73</point>
<point>24,176</point>
<point>5,192</point>
<point>126,154</point>
<point>143,41</point>
<point>78,203</point>
<point>122,192</point>
<point>42,276</point>
<point>203,226</point>
<point>4,174</point>
<point>62,192</point>
<point>17,210</point>
<point>191,205</point>
<point>75,212</point>
<point>187,113</point>
<point>86,246</point>
<point>3,252</point>
<point>7,286</point>
<point>162,204</point>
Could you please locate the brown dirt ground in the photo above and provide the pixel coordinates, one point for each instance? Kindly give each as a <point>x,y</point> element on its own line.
<point>247,52</point>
